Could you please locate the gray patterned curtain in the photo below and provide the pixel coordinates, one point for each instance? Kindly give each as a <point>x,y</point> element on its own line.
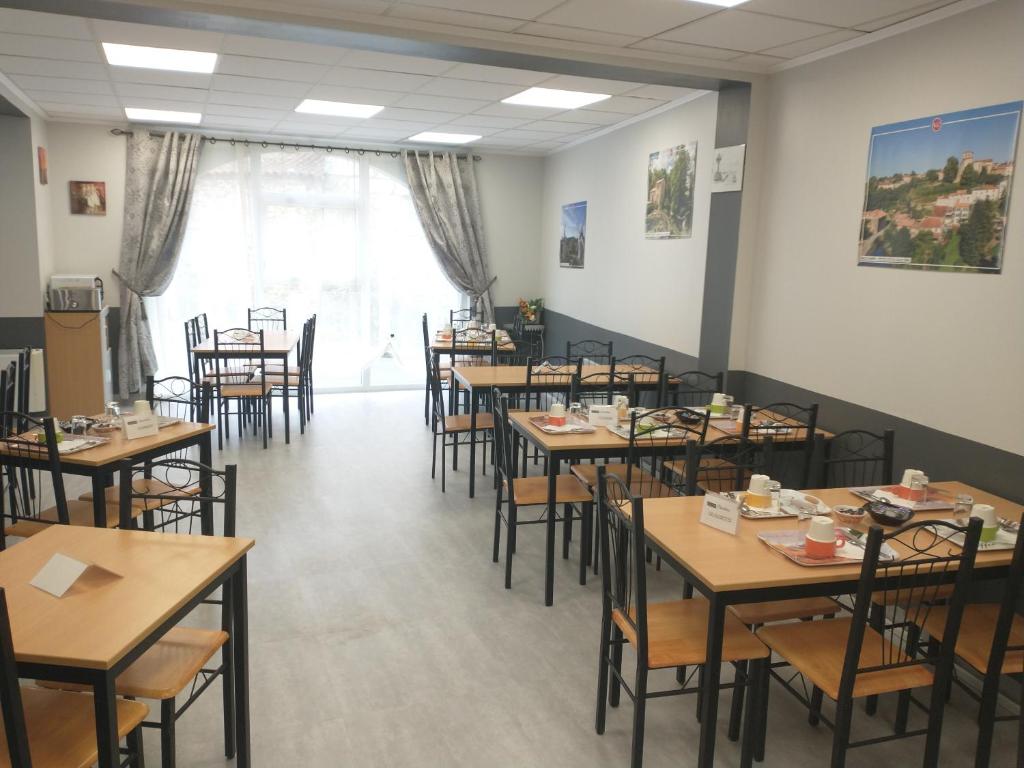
<point>160,176</point>
<point>444,192</point>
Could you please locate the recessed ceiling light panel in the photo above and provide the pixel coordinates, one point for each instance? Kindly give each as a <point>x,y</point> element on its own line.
<point>433,137</point>
<point>162,115</point>
<point>555,98</point>
<point>119,55</point>
<point>722,3</point>
<point>337,108</point>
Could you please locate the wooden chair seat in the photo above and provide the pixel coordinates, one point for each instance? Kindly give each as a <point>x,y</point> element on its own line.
<point>531,491</point>
<point>79,513</point>
<point>678,635</point>
<point>642,483</point>
<point>245,390</point>
<point>817,650</point>
<point>169,665</point>
<point>977,633</point>
<point>62,727</point>
<point>278,381</point>
<point>756,614</point>
<point>461,422</point>
<point>293,370</point>
<point>227,373</point>
<point>151,486</point>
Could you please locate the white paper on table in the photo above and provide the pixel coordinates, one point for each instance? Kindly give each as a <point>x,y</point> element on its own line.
<point>60,573</point>
<point>721,512</point>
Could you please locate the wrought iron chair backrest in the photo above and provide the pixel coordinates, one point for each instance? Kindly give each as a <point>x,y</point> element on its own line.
<point>592,350</point>
<point>526,348</point>
<point>789,423</point>
<point>623,560</point>
<point>855,458</point>
<point>692,388</point>
<point>24,379</point>
<point>1003,642</point>
<point>593,388</point>
<point>10,693</point>
<point>197,330</point>
<point>234,341</point>
<point>18,445</point>
<point>192,491</point>
<point>312,340</point>
<point>176,397</point>
<point>657,437</point>
<point>908,588</point>
<point>642,368</point>
<point>459,318</point>
<point>8,379</point>
<point>475,338</point>
<point>436,395</point>
<point>723,465</point>
<point>551,377</point>
<point>268,319</point>
<point>518,325</point>
<point>503,454</point>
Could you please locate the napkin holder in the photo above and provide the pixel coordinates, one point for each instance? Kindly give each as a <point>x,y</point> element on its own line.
<point>603,416</point>
<point>138,425</point>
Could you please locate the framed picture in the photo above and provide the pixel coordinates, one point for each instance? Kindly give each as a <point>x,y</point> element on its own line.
<point>727,170</point>
<point>937,195</point>
<point>88,197</point>
<point>574,235</point>
<point>44,167</point>
<point>670,180</point>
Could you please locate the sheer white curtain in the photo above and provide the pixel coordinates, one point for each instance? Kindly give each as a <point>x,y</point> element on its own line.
<point>330,233</point>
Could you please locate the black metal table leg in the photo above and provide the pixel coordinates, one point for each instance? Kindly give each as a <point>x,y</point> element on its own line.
<point>205,483</point>
<point>712,676</point>
<point>240,651</point>
<point>105,704</point>
<point>549,555</point>
<point>287,415</point>
<point>473,407</point>
<point>99,498</point>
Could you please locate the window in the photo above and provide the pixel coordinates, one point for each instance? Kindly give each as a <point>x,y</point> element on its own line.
<point>328,233</point>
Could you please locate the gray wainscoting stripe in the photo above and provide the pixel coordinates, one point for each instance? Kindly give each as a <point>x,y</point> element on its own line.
<point>18,332</point>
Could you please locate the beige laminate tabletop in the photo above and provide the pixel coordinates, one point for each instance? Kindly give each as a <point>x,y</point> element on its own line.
<point>103,617</point>
<point>727,563</point>
<point>475,376</point>
<point>442,344</point>
<point>119,448</point>
<point>274,343</point>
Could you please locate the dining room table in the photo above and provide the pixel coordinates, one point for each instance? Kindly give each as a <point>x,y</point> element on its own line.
<point>102,460</point>
<point>137,586</point>
<point>277,347</point>
<point>729,569</point>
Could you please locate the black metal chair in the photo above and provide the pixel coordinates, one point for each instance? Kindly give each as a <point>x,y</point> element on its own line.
<point>691,388</point>
<point>298,376</point>
<point>991,642</point>
<point>453,429</point>
<point>549,379</point>
<point>664,635</point>
<point>593,389</point>
<point>590,350</point>
<point>55,728</point>
<point>250,390</point>
<point>854,458</point>
<point>268,319</point>
<point>460,318</point>
<point>848,658</point>
<point>518,492</point>
<point>791,427</point>
<point>632,371</point>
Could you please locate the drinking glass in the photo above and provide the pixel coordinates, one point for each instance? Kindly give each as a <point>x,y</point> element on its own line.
<point>575,410</point>
<point>962,506</point>
<point>774,488</point>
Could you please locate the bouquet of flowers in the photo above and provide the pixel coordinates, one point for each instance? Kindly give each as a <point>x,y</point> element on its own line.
<point>530,309</point>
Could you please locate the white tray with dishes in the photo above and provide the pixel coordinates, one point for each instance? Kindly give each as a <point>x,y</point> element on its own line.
<point>791,503</point>
<point>1004,538</point>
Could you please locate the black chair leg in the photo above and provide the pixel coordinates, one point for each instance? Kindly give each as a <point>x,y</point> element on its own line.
<point>738,690</point>
<point>841,732</point>
<point>228,693</point>
<point>497,524</point>
<point>566,529</point>
<point>585,524</point>
<point>616,686</point>
<point>639,712</point>
<point>602,671</point>
<point>876,620</point>
<point>510,542</point>
<point>814,714</point>
<point>167,733</point>
<point>753,713</point>
<point>137,756</point>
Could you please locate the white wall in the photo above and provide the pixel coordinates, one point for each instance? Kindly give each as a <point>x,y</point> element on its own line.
<point>20,292</point>
<point>928,347</point>
<point>650,289</point>
<point>44,225</point>
<point>510,205</point>
<point>87,245</point>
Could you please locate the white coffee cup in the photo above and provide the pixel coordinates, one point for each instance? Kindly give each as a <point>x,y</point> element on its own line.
<point>759,485</point>
<point>822,529</point>
<point>492,327</point>
<point>909,475</point>
<point>986,513</point>
<point>141,408</point>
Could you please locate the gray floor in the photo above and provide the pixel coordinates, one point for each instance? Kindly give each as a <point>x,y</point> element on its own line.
<point>381,634</point>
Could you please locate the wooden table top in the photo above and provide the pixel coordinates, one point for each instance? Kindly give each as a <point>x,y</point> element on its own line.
<point>274,343</point>
<point>600,439</point>
<point>726,563</point>
<point>472,377</point>
<point>103,617</point>
<point>118,448</point>
<point>443,344</point>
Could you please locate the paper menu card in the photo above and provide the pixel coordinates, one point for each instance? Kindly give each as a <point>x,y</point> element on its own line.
<point>721,512</point>
<point>61,572</point>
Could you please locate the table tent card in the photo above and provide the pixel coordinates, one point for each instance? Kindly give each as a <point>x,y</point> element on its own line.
<point>721,512</point>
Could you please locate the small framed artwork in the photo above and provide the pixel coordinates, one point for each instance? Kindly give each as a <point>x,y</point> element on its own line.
<point>44,167</point>
<point>574,235</point>
<point>727,175</point>
<point>88,197</point>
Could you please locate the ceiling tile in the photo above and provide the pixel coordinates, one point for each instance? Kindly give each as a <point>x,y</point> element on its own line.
<point>547,145</point>
<point>375,123</point>
<point>233,110</point>
<point>520,9</point>
<point>245,123</point>
<point>152,103</point>
<point>523,135</point>
<point>440,103</point>
<point>393,62</point>
<point>80,110</point>
<point>744,31</point>
<point>626,105</point>
<point>160,77</point>
<point>72,97</point>
<point>132,90</point>
<point>260,85</point>
<point>66,84</point>
<point>663,92</point>
<point>353,95</point>
<point>46,24</point>
<point>686,49</point>
<point>560,32</point>
<point>887,21</point>
<point>554,126</point>
<point>247,66</point>
<point>368,78</point>
<point>758,61</point>
<point>500,141</point>
<point>803,47</point>
<point>838,13</point>
<point>636,17</point>
<point>305,128</point>
<point>358,6</point>
<point>591,117</point>
<point>254,100</point>
<point>589,84</point>
<point>455,18</point>
<point>286,50</point>
<point>25,65</point>
<point>517,111</point>
<point>50,48</point>
<point>469,89</point>
<point>482,130</point>
<point>158,37</point>
<point>496,74</point>
<point>415,115</point>
<point>488,121</point>
<point>381,134</point>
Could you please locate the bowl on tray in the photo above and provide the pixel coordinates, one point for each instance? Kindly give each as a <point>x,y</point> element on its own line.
<point>884,513</point>
<point>849,514</point>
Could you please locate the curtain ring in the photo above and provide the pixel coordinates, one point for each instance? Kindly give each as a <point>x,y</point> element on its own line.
<point>246,143</point>
<point>282,146</point>
<point>213,139</point>
<point>264,145</point>
<point>329,150</point>
<point>361,152</point>
<point>377,153</point>
<point>232,142</point>
<point>347,150</point>
<point>296,147</point>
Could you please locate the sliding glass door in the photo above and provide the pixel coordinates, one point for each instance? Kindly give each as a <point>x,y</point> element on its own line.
<point>328,233</point>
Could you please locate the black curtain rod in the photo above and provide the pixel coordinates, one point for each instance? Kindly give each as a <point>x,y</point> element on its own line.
<point>285,144</point>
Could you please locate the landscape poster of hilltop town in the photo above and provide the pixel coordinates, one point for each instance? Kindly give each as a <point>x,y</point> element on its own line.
<point>938,191</point>
<point>670,177</point>
<point>574,235</point>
